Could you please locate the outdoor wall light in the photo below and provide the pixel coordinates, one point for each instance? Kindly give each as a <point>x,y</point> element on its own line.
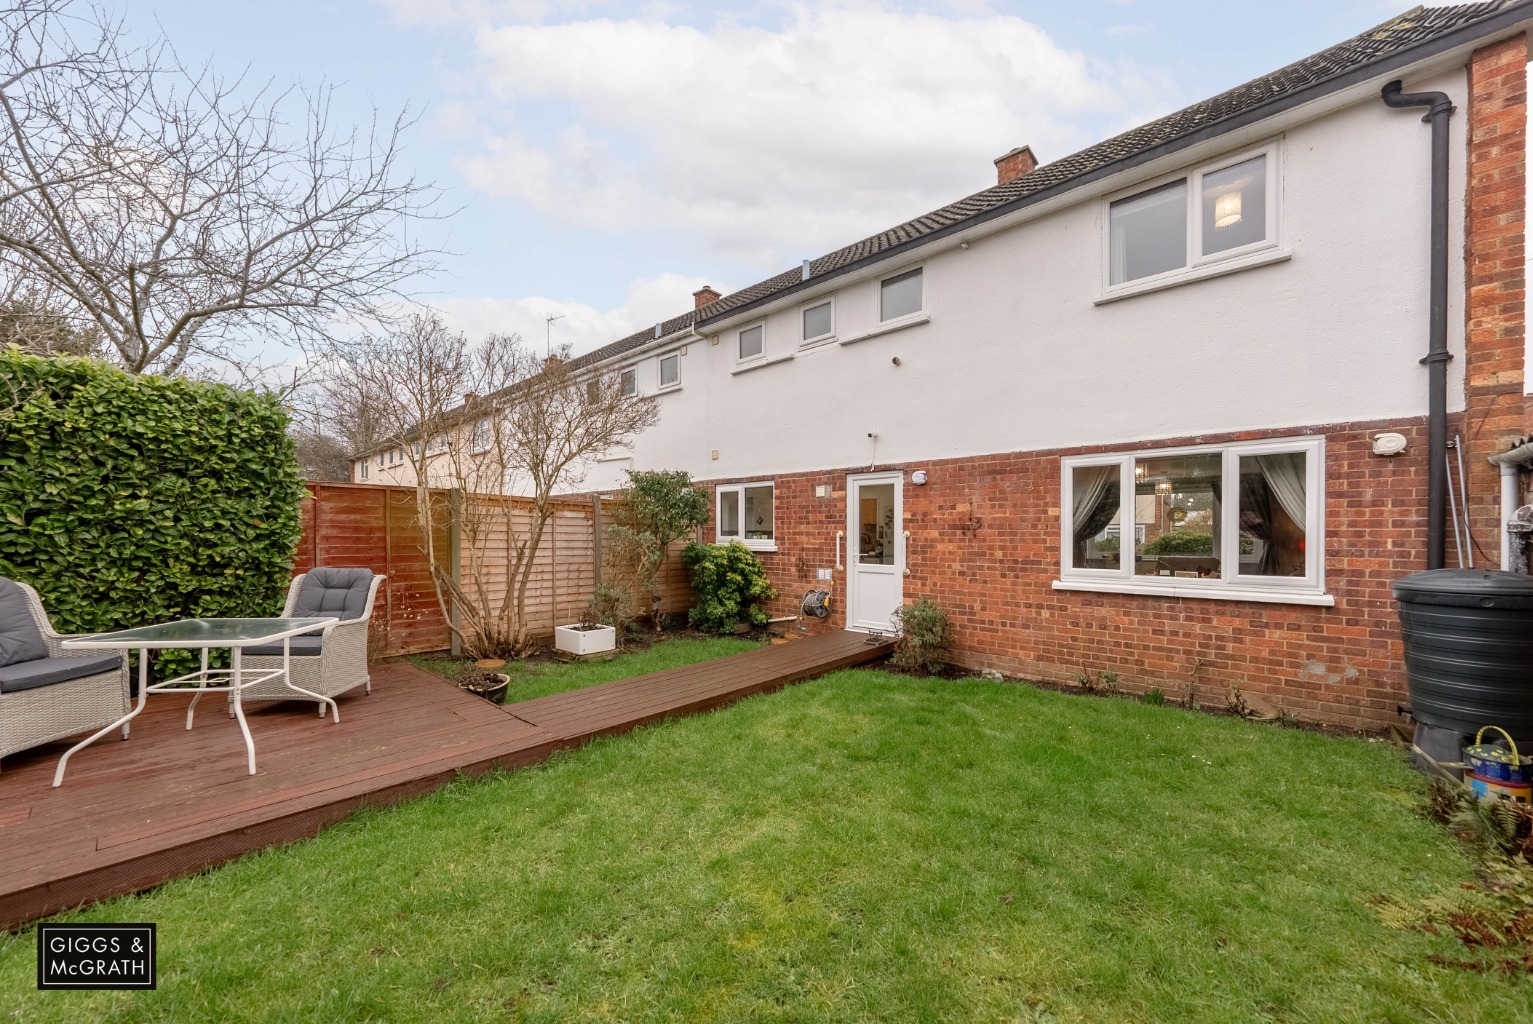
<point>918,477</point>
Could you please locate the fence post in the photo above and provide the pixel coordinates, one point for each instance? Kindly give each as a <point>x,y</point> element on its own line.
<point>596,534</point>
<point>454,506</point>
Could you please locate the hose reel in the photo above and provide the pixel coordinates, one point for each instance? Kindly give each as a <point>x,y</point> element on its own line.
<point>816,604</point>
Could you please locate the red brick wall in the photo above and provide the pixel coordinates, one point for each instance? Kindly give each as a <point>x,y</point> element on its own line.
<point>1495,276</point>
<point>984,543</point>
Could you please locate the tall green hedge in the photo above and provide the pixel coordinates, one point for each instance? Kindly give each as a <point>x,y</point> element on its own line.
<point>131,500</point>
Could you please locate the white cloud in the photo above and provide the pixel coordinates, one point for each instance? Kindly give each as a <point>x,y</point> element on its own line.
<point>649,301</point>
<point>775,144</point>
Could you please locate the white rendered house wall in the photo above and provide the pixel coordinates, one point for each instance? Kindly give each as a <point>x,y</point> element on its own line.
<point>1012,351</point>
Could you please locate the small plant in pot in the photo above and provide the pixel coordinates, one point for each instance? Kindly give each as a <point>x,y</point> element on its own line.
<point>489,685</point>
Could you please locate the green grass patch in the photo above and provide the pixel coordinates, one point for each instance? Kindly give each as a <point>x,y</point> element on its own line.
<point>865,847</point>
<point>541,678</point>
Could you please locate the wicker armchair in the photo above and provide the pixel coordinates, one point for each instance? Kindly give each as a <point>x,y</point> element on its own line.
<point>36,706</point>
<point>332,661</point>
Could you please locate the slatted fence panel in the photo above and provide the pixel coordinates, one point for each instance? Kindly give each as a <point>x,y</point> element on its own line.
<point>377,527</point>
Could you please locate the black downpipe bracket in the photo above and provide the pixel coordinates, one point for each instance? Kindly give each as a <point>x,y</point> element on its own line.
<point>1437,357</point>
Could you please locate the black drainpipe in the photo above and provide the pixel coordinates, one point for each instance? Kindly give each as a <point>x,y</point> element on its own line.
<point>1437,356</point>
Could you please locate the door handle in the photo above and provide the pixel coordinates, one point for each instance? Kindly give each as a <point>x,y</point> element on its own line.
<point>839,535</point>
<point>907,552</point>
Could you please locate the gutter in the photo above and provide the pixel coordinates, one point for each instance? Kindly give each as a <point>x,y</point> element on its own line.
<point>1511,464</point>
<point>1467,34</point>
<point>1440,109</point>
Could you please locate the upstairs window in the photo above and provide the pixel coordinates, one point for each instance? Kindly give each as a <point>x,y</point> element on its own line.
<point>819,322</point>
<point>628,382</point>
<point>670,370</point>
<point>900,295</point>
<point>480,440</point>
<point>745,514</point>
<point>1214,213</point>
<point>752,342</point>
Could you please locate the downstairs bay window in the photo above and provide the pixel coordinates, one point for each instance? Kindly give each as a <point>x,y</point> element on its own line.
<point>744,513</point>
<point>1242,521</point>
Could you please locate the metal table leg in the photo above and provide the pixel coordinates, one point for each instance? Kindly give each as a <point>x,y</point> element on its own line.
<point>239,708</point>
<point>202,684</point>
<point>287,677</point>
<point>143,697</point>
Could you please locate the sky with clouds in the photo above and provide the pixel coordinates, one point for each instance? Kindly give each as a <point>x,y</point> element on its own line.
<point>606,159</point>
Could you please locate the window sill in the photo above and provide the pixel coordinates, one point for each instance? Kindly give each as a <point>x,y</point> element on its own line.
<point>1202,273</point>
<point>888,328</point>
<point>760,363</point>
<point>805,346</point>
<point>668,389</point>
<point>755,545</point>
<point>1215,593</point>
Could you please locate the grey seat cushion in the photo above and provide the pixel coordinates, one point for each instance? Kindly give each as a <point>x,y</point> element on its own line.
<point>20,639</point>
<point>328,591</point>
<point>306,646</point>
<point>28,675</point>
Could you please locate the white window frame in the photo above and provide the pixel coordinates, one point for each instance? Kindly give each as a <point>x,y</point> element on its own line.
<point>755,544</point>
<point>742,360</point>
<point>1197,265</point>
<point>1231,584</point>
<point>628,381</point>
<point>363,477</point>
<point>660,369</point>
<point>915,315</point>
<point>475,443</point>
<point>830,335</point>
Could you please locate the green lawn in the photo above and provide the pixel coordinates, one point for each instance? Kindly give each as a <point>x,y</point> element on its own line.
<point>866,847</point>
<point>539,679</point>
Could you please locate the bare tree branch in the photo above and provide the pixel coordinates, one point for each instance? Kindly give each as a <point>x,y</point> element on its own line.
<point>502,428</point>
<point>171,209</point>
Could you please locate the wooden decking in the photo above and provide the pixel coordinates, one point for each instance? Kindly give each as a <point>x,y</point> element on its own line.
<point>170,802</point>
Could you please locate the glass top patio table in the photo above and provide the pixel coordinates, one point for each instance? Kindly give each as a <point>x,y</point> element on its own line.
<point>234,634</point>
<point>194,633</point>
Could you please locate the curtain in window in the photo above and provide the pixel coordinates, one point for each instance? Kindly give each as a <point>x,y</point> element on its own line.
<point>1286,479</point>
<point>1094,504</point>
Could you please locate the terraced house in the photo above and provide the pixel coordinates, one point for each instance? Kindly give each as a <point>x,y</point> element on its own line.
<point>1179,406</point>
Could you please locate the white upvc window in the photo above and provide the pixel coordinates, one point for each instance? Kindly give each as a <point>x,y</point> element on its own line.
<point>818,322</point>
<point>1241,520</point>
<point>628,382</point>
<point>363,476</point>
<point>480,439</point>
<point>901,296</point>
<point>744,512</point>
<point>1185,223</point>
<point>670,370</point>
<point>751,342</point>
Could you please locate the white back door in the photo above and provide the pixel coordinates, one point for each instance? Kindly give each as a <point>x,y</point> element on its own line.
<point>875,543</point>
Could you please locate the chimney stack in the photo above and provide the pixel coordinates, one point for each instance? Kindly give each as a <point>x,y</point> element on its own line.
<point>470,398</point>
<point>704,295</point>
<point>1014,164</point>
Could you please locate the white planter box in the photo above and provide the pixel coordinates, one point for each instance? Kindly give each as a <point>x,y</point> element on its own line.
<point>580,642</point>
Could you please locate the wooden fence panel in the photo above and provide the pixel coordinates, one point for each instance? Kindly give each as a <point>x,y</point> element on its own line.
<point>377,527</point>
